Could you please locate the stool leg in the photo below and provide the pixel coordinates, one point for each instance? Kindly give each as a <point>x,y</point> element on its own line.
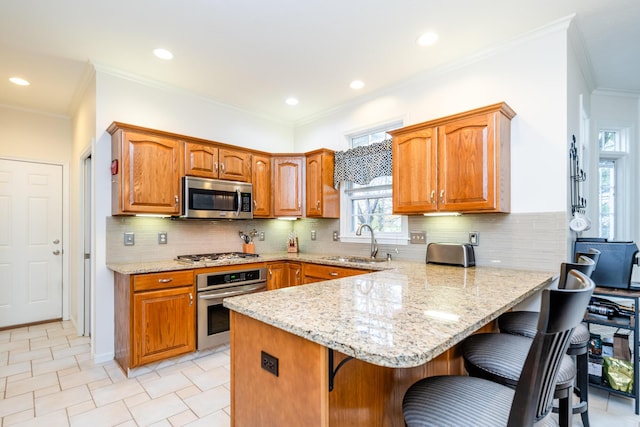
<point>582,374</point>
<point>565,408</point>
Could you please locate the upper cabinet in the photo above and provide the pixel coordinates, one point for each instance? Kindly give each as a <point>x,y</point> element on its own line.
<point>287,185</point>
<point>261,179</point>
<point>459,163</point>
<point>322,199</point>
<point>146,169</point>
<point>209,161</point>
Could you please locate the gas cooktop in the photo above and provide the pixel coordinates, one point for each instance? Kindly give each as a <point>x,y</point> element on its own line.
<point>214,257</point>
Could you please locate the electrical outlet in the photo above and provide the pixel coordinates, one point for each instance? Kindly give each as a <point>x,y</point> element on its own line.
<point>261,236</point>
<point>418,237</point>
<point>313,234</point>
<point>162,238</point>
<point>129,239</point>
<point>269,363</point>
<point>474,238</point>
<point>336,237</point>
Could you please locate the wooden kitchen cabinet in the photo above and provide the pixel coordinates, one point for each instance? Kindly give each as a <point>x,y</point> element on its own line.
<point>210,161</point>
<point>282,274</point>
<point>155,316</point>
<point>294,270</point>
<point>277,275</point>
<point>312,273</point>
<point>288,185</point>
<point>146,169</point>
<point>322,199</point>
<point>459,163</point>
<point>261,179</point>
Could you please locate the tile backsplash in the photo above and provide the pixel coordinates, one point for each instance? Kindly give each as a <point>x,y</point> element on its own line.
<point>524,240</point>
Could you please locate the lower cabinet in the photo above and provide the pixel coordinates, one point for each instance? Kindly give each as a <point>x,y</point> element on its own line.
<point>155,317</point>
<point>283,274</point>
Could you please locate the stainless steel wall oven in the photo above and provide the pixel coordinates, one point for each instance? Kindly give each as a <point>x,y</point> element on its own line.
<point>213,288</point>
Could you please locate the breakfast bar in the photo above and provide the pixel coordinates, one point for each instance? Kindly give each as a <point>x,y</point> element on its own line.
<point>343,352</point>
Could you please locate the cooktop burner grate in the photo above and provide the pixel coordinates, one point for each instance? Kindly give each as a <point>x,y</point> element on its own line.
<point>214,256</point>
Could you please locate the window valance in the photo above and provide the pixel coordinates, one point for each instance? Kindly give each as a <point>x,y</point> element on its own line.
<point>362,164</point>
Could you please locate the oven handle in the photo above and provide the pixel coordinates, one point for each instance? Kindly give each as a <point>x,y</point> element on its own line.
<point>239,202</point>
<point>232,293</point>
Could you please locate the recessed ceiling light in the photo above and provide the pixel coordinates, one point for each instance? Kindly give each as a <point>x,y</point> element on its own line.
<point>291,101</point>
<point>19,81</point>
<point>163,54</point>
<point>356,84</point>
<point>427,39</point>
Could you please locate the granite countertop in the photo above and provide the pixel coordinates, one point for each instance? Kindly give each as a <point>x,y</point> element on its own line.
<point>171,265</point>
<point>398,318</point>
<point>401,316</point>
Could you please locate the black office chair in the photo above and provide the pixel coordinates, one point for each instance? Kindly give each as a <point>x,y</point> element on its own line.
<point>523,323</point>
<point>470,401</point>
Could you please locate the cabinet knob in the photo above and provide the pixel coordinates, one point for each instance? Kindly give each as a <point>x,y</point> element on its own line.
<point>177,200</point>
<point>255,203</point>
<point>169,280</point>
<point>333,273</point>
<point>318,205</point>
<point>190,298</point>
<point>222,167</point>
<point>441,196</point>
<point>215,167</point>
<point>433,196</point>
<point>270,273</point>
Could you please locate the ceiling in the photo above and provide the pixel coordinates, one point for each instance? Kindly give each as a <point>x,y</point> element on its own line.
<point>253,54</point>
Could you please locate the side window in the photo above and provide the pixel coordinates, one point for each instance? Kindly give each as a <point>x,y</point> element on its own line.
<point>371,203</point>
<point>613,159</point>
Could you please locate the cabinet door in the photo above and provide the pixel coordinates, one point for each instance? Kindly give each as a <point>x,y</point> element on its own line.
<point>322,199</point>
<point>200,160</point>
<point>235,165</point>
<point>151,171</point>
<point>294,273</point>
<point>277,275</point>
<point>414,164</point>
<point>287,184</point>
<point>467,164</point>
<point>261,179</point>
<point>163,324</point>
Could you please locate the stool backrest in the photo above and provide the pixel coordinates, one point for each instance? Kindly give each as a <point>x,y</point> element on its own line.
<point>561,311</point>
<point>584,264</point>
<point>592,253</point>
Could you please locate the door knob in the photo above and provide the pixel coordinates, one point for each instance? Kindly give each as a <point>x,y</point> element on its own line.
<point>56,252</point>
<point>56,242</point>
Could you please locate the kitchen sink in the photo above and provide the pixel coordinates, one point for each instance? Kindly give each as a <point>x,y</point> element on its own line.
<point>357,259</point>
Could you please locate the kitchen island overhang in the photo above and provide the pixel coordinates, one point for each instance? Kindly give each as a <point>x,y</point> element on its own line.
<point>398,326</point>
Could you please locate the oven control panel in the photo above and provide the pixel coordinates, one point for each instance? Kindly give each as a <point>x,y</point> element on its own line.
<point>231,277</point>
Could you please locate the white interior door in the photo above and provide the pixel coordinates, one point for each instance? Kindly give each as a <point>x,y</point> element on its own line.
<point>30,242</point>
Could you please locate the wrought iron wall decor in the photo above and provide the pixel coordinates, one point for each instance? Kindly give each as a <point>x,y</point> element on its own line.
<point>577,177</point>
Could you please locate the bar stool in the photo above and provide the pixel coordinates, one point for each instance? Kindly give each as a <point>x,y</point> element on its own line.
<point>466,401</point>
<point>524,323</point>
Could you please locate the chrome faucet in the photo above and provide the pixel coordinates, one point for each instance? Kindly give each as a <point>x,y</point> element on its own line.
<point>374,244</point>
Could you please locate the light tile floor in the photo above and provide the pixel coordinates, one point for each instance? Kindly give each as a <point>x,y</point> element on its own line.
<point>47,378</point>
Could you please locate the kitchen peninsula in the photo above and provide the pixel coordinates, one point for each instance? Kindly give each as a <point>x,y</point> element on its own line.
<point>343,352</point>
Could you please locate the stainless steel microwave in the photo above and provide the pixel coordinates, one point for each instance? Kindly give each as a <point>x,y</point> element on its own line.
<point>216,199</point>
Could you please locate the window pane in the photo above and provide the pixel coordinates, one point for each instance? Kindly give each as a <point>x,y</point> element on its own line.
<point>381,180</point>
<point>609,140</point>
<point>377,213</point>
<point>607,185</point>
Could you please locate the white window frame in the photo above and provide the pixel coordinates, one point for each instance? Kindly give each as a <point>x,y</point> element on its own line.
<point>348,236</point>
<point>622,159</point>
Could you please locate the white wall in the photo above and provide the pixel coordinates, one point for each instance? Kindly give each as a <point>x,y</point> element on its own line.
<point>530,75</point>
<point>142,104</point>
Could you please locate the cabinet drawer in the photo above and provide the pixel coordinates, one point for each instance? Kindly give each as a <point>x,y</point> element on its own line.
<point>328,272</point>
<point>164,280</point>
